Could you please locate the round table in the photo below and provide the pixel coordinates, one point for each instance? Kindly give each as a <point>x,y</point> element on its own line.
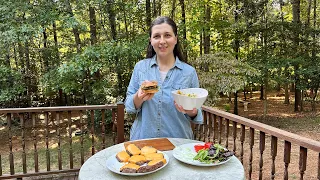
<point>95,167</point>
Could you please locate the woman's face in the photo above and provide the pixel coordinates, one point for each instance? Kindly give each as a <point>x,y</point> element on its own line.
<point>163,39</point>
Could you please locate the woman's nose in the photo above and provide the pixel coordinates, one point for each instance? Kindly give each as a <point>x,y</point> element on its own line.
<point>162,40</point>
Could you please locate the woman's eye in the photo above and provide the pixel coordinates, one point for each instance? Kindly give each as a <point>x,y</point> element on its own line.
<point>168,35</point>
<point>156,36</point>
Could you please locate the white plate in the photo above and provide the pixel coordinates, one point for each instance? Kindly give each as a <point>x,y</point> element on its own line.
<point>185,153</point>
<point>114,165</point>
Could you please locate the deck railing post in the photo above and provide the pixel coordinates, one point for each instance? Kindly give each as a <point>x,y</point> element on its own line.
<point>120,122</point>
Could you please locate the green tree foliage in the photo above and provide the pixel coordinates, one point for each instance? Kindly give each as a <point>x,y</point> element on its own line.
<point>86,49</point>
<point>222,73</point>
<point>92,73</point>
<point>12,86</point>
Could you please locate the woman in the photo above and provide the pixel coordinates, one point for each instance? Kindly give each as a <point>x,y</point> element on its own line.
<point>157,115</point>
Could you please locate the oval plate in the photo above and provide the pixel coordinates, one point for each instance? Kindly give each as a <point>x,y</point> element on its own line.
<point>185,153</point>
<point>114,165</point>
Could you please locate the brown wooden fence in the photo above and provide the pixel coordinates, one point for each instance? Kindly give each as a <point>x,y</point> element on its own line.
<point>234,132</point>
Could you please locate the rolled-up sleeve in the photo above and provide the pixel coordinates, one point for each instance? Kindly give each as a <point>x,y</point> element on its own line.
<point>132,89</point>
<point>195,84</point>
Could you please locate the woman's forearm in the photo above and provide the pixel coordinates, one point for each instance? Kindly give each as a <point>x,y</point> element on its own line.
<point>137,101</point>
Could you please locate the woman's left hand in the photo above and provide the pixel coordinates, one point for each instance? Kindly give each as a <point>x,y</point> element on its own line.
<point>191,113</point>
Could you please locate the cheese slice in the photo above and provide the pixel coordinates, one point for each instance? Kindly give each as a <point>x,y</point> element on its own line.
<point>147,150</point>
<point>132,149</point>
<point>123,156</point>
<point>153,156</point>
<point>137,159</point>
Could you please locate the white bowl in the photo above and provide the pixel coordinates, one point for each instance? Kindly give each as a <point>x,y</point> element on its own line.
<point>188,103</point>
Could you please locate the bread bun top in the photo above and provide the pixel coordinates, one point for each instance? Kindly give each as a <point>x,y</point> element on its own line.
<point>149,84</point>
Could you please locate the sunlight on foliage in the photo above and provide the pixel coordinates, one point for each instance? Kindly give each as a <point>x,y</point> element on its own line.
<point>222,73</point>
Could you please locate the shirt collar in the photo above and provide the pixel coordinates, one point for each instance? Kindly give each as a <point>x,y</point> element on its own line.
<point>177,64</point>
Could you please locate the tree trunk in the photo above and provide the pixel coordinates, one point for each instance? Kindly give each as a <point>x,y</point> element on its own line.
<point>265,100</point>
<point>173,9</point>
<point>286,94</point>
<point>44,54</point>
<point>283,41</point>
<point>112,22</point>
<point>308,13</point>
<point>313,102</point>
<point>21,55</point>
<point>244,93</point>
<point>56,45</point>
<point>7,58</point>
<point>93,25</point>
<point>314,26</point>
<point>125,20</point>
<point>296,22</point>
<point>292,86</point>
<point>278,87</point>
<point>235,107</point>
<point>237,50</point>
<point>15,56</point>
<point>74,29</point>
<point>159,7</point>
<point>112,18</point>
<point>28,72</point>
<point>154,7</point>
<point>301,100</point>
<point>55,37</point>
<point>184,30</point>
<point>201,41</point>
<point>261,92</point>
<point>207,29</point>
<point>148,13</point>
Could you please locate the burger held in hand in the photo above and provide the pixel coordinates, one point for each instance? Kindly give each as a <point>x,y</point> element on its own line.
<point>149,87</point>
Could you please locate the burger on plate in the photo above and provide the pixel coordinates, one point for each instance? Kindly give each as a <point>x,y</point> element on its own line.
<point>149,86</point>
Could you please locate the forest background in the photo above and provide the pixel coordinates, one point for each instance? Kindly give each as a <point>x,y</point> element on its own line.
<point>75,52</point>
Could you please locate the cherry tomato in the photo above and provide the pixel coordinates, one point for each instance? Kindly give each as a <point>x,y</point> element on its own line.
<point>198,147</point>
<point>207,145</point>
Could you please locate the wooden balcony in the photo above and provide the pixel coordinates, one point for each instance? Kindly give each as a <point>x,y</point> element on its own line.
<point>56,141</point>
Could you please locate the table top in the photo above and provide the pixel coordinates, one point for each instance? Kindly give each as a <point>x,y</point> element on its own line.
<point>95,168</point>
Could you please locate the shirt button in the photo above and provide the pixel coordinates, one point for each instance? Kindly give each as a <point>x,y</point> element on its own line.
<point>159,114</point>
<point>158,129</point>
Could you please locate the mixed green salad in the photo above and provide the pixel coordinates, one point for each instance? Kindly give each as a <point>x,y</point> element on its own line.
<point>212,153</point>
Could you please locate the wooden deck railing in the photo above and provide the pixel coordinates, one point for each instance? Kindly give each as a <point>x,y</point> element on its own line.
<point>55,123</point>
<point>60,123</point>
<point>223,127</point>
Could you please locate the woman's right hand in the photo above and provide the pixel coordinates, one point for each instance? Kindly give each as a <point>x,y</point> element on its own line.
<point>144,96</point>
<point>140,97</point>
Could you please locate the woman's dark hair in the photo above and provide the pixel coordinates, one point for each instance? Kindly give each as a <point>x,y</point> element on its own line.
<point>177,49</point>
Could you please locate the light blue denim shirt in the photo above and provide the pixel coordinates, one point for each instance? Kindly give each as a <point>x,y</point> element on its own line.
<point>159,117</point>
